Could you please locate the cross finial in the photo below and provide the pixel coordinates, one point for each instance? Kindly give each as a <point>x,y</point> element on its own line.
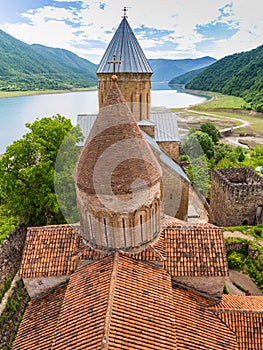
<point>114,62</point>
<point>125,9</point>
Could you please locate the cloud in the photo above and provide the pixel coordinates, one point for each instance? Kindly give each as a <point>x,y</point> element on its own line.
<point>170,29</point>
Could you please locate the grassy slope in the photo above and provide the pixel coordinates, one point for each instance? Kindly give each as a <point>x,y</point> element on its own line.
<point>222,106</point>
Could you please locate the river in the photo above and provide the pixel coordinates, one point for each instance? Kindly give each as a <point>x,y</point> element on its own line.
<point>16,111</point>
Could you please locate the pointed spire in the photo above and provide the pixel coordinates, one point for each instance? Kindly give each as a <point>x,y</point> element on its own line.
<point>126,49</point>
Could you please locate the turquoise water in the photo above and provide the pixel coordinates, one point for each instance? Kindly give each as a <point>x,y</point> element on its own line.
<point>16,111</point>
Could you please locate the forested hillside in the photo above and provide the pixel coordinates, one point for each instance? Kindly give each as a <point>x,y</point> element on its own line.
<point>239,75</point>
<point>165,70</point>
<point>36,67</point>
<point>186,77</point>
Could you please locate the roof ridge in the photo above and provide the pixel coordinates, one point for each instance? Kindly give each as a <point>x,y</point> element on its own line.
<point>111,294</point>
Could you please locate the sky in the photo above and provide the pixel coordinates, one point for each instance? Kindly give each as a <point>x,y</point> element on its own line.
<point>171,29</point>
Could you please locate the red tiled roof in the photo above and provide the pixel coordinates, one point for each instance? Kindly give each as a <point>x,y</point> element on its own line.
<point>197,327</point>
<point>195,252</point>
<point>117,303</point>
<point>114,303</point>
<point>49,251</point>
<point>244,316</point>
<point>36,330</point>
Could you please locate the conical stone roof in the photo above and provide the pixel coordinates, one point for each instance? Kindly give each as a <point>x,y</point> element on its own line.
<point>116,158</point>
<point>126,48</point>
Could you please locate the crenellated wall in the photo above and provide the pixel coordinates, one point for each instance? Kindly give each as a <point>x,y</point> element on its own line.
<point>235,195</point>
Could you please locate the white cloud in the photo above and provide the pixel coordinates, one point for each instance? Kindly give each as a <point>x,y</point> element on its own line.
<point>57,27</point>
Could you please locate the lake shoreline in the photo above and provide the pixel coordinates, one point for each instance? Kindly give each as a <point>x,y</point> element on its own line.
<point>10,94</point>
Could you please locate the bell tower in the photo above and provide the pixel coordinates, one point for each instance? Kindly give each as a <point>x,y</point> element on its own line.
<point>124,56</point>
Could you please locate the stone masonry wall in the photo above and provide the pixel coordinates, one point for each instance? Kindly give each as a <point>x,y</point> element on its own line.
<point>235,196</point>
<point>11,253</point>
<point>172,148</point>
<point>136,89</point>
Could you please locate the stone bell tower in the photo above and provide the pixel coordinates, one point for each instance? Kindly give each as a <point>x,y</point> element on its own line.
<point>118,180</point>
<point>125,57</point>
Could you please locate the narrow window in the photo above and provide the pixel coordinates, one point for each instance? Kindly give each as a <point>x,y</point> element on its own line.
<point>147,104</point>
<point>91,227</point>
<point>153,221</point>
<point>131,103</point>
<point>140,106</point>
<point>124,232</point>
<point>141,228</point>
<point>105,231</point>
<point>171,196</point>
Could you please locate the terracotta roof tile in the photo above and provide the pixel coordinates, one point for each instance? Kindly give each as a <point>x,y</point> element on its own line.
<point>195,252</point>
<point>102,307</point>
<point>49,251</point>
<point>36,330</point>
<point>244,316</point>
<point>197,327</point>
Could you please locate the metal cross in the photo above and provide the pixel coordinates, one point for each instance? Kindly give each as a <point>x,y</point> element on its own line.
<point>125,9</point>
<point>114,62</point>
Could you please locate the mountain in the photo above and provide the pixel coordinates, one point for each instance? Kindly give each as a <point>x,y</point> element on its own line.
<point>240,75</point>
<point>37,67</point>
<point>186,77</point>
<point>165,70</point>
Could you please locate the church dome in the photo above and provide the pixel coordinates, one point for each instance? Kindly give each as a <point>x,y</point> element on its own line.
<point>118,180</point>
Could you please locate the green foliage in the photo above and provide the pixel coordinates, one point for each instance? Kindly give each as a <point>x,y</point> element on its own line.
<point>225,290</point>
<point>27,172</point>
<point>36,67</point>
<point>5,288</point>
<point>210,129</point>
<point>235,261</point>
<point>198,143</point>
<point>198,175</point>
<point>239,75</point>
<point>186,77</point>
<point>7,223</point>
<point>12,314</point>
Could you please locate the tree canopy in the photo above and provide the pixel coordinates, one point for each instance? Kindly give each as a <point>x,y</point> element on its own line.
<point>27,171</point>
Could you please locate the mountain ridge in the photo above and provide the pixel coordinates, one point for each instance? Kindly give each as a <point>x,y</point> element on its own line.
<point>240,74</point>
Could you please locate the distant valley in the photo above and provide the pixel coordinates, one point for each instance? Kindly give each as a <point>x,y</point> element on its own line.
<point>37,67</point>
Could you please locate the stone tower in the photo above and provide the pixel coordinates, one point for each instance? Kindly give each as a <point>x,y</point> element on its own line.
<point>118,181</point>
<point>236,197</point>
<point>125,57</point>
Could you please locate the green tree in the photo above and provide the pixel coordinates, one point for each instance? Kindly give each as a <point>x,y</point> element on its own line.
<point>27,172</point>
<point>210,129</point>
<point>198,143</point>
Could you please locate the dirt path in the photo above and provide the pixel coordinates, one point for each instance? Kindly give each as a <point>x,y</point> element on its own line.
<point>243,122</point>
<point>243,281</point>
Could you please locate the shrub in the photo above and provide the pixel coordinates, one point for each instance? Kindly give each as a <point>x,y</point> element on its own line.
<point>235,261</point>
